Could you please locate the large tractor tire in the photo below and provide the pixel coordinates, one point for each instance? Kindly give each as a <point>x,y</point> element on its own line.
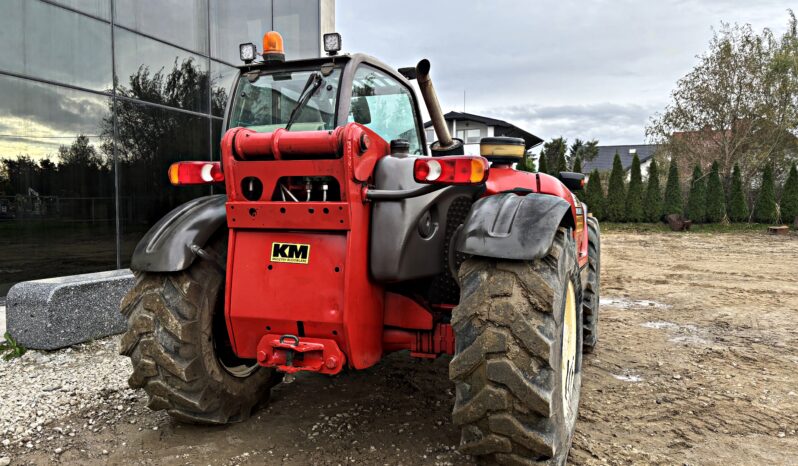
<point>592,292</point>
<point>178,343</point>
<point>517,358</point>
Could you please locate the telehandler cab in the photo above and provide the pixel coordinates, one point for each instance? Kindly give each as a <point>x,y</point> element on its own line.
<point>343,237</point>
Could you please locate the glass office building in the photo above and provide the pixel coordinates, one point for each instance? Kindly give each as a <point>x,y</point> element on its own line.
<point>98,98</point>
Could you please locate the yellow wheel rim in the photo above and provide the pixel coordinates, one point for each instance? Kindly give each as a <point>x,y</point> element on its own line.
<point>568,360</point>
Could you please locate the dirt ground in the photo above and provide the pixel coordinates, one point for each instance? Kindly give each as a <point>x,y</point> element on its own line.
<point>697,364</point>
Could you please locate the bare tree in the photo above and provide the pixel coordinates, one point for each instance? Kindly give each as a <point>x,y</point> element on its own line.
<point>739,105</point>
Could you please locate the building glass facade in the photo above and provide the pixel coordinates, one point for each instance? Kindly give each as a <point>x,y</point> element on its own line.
<point>99,97</point>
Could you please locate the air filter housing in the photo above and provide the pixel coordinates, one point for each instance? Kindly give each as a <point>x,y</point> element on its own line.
<point>502,149</point>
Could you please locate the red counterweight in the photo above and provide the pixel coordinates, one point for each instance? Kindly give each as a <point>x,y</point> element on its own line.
<point>301,268</point>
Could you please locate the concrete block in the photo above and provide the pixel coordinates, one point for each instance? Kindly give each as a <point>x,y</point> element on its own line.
<point>59,312</point>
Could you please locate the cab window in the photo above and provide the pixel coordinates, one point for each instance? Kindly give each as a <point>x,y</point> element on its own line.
<point>385,106</point>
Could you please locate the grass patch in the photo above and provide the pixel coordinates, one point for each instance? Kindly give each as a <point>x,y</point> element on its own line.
<point>752,228</point>
<point>10,349</point>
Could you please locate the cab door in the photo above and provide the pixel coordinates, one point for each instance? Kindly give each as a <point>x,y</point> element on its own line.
<point>385,105</point>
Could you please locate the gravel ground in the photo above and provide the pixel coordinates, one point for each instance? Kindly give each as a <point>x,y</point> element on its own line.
<point>696,365</point>
<point>41,393</point>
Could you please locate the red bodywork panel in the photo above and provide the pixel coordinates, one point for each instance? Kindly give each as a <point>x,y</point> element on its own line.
<point>329,297</point>
<point>319,310</point>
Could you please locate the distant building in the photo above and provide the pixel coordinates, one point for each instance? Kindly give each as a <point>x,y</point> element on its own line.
<point>606,155</point>
<point>471,128</point>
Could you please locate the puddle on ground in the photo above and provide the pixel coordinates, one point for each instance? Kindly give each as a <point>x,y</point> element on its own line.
<point>628,378</point>
<point>685,334</point>
<point>690,340</point>
<point>626,303</point>
<point>659,325</point>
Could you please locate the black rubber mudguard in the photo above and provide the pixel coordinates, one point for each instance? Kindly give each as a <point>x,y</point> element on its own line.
<point>167,246</point>
<point>509,226</point>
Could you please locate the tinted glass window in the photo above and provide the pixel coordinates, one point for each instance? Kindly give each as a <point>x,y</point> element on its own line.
<point>149,140</point>
<point>266,103</point>
<point>152,71</point>
<point>57,212</point>
<point>180,22</point>
<point>222,79</point>
<point>298,22</point>
<point>238,22</point>
<point>385,106</point>
<point>99,8</point>
<point>55,44</point>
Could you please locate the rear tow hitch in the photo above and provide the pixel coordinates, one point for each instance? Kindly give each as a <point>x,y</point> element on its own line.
<point>291,354</point>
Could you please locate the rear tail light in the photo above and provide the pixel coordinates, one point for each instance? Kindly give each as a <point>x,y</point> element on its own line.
<point>451,170</point>
<point>188,173</point>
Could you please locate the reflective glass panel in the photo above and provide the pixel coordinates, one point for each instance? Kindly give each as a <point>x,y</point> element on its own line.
<point>234,23</point>
<point>222,79</point>
<point>298,22</point>
<point>98,8</point>
<point>55,44</point>
<point>149,139</point>
<point>179,22</point>
<point>155,72</point>
<point>57,211</point>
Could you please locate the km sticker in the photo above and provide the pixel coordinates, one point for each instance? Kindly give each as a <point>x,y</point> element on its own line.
<point>291,253</point>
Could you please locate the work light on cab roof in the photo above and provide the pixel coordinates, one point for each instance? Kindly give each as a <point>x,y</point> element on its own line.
<point>273,49</point>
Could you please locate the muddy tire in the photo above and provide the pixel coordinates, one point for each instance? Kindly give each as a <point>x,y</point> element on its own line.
<point>178,344</point>
<point>517,391</point>
<point>592,291</point>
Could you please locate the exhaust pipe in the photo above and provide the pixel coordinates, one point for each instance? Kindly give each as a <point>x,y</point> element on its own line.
<point>445,145</point>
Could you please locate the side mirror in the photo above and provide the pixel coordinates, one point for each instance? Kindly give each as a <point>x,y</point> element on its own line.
<point>361,111</point>
<point>572,181</point>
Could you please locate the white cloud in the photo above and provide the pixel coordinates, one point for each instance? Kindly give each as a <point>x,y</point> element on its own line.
<point>521,56</point>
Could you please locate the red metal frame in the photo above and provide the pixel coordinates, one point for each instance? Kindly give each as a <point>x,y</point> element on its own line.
<point>324,313</point>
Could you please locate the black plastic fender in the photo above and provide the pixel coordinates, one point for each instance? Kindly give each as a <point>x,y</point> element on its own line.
<point>509,226</point>
<point>167,247</point>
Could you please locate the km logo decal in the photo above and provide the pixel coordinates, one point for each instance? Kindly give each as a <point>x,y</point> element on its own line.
<point>291,253</point>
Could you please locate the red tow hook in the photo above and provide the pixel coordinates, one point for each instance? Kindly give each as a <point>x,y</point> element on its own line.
<point>290,354</point>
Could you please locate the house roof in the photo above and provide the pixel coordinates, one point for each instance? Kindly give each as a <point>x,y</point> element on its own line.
<point>606,155</point>
<point>502,128</point>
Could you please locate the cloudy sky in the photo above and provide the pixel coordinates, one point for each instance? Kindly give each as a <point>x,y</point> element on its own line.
<point>589,69</point>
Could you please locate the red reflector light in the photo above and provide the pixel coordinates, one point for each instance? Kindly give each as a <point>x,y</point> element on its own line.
<point>451,170</point>
<point>187,173</point>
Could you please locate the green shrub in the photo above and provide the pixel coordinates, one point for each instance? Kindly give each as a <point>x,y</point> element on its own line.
<point>562,165</point>
<point>616,193</point>
<point>634,195</point>
<point>789,197</point>
<point>653,202</point>
<point>673,192</point>
<point>577,165</point>
<point>526,164</point>
<point>594,195</point>
<point>716,202</point>
<point>738,208</point>
<point>697,200</point>
<point>542,168</point>
<point>766,210</point>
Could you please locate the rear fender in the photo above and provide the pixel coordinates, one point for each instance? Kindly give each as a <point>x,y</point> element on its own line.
<point>167,247</point>
<point>509,226</point>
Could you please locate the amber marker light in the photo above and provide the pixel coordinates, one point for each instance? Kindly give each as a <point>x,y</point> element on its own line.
<point>273,49</point>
